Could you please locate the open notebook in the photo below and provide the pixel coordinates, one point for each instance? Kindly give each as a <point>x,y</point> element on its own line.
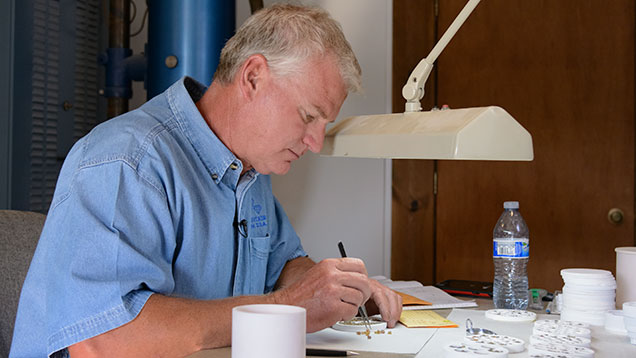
<point>436,297</point>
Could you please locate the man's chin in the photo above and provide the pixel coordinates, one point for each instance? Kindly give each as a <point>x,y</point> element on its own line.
<point>280,169</point>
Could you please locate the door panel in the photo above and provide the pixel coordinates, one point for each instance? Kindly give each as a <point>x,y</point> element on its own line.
<point>413,202</point>
<point>565,71</point>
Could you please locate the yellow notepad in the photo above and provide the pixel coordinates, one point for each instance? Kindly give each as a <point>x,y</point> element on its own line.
<point>408,300</point>
<point>425,318</point>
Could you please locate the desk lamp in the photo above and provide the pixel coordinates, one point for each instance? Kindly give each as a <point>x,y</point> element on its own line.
<point>480,133</point>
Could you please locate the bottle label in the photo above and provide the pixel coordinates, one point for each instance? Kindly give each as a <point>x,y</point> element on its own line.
<point>511,248</point>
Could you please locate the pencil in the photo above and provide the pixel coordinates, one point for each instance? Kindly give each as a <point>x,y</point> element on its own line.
<point>328,353</point>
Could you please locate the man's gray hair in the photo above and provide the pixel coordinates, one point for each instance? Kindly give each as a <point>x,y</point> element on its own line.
<point>287,36</point>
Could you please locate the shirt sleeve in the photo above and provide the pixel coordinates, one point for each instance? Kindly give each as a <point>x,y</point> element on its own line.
<point>114,243</point>
<point>285,247</point>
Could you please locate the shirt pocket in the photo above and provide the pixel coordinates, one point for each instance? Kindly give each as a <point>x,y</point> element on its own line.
<point>259,247</point>
<point>259,255</point>
<point>252,266</point>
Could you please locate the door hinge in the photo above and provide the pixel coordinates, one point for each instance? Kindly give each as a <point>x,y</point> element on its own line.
<point>435,183</point>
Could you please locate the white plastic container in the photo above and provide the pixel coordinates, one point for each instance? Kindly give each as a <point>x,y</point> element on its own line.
<point>587,295</point>
<point>614,322</point>
<point>268,331</point>
<point>625,279</point>
<point>629,318</point>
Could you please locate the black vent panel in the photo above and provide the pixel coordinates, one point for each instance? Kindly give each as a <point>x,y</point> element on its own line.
<point>45,103</point>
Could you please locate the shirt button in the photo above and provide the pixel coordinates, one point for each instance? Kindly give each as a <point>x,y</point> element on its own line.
<point>214,176</point>
<point>233,166</point>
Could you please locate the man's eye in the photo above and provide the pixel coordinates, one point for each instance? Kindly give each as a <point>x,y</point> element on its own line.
<point>309,118</point>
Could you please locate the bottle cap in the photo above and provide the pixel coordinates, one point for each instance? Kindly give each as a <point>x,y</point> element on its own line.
<point>511,205</point>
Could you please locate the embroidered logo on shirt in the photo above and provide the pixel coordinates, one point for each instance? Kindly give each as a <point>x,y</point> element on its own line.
<point>257,220</point>
<point>256,207</point>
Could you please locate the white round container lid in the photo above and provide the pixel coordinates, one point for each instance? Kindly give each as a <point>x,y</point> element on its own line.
<point>585,292</point>
<point>599,291</point>
<point>561,349</point>
<point>357,325</point>
<point>560,327</point>
<point>511,315</point>
<point>512,344</point>
<point>626,250</point>
<point>560,322</point>
<point>570,340</point>
<point>595,307</point>
<point>550,355</point>
<point>593,287</point>
<point>585,273</point>
<point>465,349</point>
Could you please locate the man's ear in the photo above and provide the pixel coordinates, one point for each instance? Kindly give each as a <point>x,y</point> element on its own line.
<point>252,75</point>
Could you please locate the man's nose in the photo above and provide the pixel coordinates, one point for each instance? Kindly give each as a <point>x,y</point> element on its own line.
<point>315,136</point>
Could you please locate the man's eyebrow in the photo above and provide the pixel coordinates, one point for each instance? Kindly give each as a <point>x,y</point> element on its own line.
<point>318,109</point>
<point>321,112</point>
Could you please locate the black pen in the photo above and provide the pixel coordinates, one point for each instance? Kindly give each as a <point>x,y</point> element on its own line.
<point>328,353</point>
<point>343,253</point>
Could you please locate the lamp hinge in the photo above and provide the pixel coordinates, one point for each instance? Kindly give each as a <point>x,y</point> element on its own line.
<point>435,183</point>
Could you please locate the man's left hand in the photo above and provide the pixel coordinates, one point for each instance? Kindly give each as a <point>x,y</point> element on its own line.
<point>385,301</point>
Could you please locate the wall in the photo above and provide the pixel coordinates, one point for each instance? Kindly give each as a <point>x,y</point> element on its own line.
<point>332,199</point>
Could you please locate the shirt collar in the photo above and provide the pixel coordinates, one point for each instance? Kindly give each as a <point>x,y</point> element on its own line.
<point>220,162</point>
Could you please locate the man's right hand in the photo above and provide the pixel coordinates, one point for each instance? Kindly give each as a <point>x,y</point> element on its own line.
<point>332,290</point>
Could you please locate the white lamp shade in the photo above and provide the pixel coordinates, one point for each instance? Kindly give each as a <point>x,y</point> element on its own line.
<point>482,133</point>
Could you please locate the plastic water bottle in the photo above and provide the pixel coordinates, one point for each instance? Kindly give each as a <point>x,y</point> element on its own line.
<point>511,250</point>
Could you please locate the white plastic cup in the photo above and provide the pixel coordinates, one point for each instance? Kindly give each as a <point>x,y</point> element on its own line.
<point>625,278</point>
<point>629,309</point>
<point>629,319</point>
<point>268,331</point>
<point>614,322</point>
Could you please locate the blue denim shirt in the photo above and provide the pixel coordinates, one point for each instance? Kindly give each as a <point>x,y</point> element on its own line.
<point>148,202</point>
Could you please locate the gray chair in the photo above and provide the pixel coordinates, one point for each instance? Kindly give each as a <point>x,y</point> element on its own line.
<point>19,234</point>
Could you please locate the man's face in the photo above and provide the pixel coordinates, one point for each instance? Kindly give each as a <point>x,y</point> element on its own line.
<point>290,115</point>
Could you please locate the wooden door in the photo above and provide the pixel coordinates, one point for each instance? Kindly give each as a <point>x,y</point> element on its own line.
<point>565,70</point>
<point>413,202</point>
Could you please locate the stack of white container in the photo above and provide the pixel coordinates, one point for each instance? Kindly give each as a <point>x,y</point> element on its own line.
<point>557,338</point>
<point>587,295</point>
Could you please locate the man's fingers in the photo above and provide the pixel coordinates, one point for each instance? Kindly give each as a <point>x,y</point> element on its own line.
<point>356,281</point>
<point>395,304</point>
<point>350,264</point>
<point>388,302</point>
<point>348,272</point>
<point>383,303</point>
<point>387,311</point>
<point>352,296</point>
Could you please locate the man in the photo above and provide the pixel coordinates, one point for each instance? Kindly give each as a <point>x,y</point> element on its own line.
<point>163,219</point>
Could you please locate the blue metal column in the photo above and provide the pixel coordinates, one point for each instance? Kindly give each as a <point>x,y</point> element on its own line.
<point>185,37</point>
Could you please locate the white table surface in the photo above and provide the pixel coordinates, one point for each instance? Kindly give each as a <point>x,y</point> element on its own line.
<point>605,344</point>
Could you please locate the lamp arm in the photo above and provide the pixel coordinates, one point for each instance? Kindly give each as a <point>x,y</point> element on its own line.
<point>413,90</point>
